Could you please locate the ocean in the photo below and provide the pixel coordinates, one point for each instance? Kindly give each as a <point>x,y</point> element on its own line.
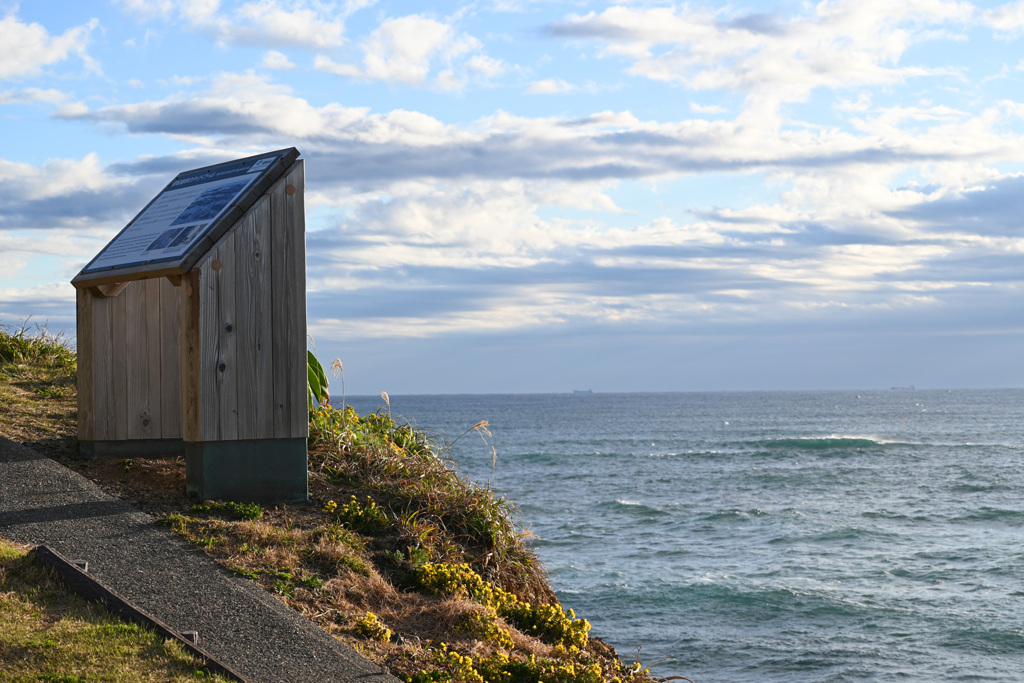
<point>769,536</point>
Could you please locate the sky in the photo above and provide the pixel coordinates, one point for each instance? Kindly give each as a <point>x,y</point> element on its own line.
<point>547,196</point>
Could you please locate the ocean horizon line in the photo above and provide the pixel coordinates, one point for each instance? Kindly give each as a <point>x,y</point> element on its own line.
<point>599,392</point>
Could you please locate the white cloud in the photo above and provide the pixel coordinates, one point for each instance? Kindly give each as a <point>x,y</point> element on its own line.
<point>43,293</point>
<point>515,218</point>
<point>56,177</point>
<point>550,86</point>
<point>840,44</point>
<point>65,105</point>
<point>485,66</point>
<point>862,103</point>
<point>246,103</point>
<point>277,61</point>
<point>29,48</point>
<point>353,6</point>
<point>485,260</point>
<point>706,108</point>
<point>64,210</point>
<point>1008,18</point>
<point>326,64</point>
<point>266,23</point>
<point>401,49</point>
<point>179,81</point>
<point>372,150</point>
<point>303,24</point>
<point>55,242</point>
<point>29,95</point>
<point>407,49</point>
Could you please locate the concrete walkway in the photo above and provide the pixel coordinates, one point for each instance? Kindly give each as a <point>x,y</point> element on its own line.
<point>44,503</point>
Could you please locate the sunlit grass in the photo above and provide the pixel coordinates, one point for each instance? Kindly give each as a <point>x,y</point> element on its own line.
<point>50,634</point>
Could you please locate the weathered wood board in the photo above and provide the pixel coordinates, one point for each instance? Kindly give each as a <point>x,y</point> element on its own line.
<point>129,363</point>
<point>244,312</point>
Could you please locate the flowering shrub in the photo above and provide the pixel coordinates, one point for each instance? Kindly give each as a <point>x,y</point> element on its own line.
<point>484,625</point>
<point>365,518</point>
<point>502,668</point>
<point>548,622</point>
<point>369,626</point>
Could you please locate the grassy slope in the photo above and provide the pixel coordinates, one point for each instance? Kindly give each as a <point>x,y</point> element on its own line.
<point>397,555</point>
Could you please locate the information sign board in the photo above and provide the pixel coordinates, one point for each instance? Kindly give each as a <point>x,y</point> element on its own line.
<point>192,206</point>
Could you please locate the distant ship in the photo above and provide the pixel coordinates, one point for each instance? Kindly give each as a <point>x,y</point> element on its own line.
<point>583,391</point>
<point>907,388</point>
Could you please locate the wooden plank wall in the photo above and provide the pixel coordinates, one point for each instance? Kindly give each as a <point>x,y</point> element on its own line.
<point>170,360</point>
<point>288,313</point>
<point>243,315</point>
<point>252,303</point>
<point>129,384</point>
<point>85,338</point>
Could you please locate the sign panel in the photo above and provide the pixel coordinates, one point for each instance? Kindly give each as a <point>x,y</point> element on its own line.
<point>187,210</point>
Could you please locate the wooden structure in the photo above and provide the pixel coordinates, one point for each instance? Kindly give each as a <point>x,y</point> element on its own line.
<point>205,355</point>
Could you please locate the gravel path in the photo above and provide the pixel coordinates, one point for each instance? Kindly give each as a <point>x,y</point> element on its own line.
<point>44,503</point>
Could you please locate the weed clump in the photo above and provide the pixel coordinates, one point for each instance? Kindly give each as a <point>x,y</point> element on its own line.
<point>369,626</point>
<point>232,509</point>
<point>367,518</point>
<point>40,346</point>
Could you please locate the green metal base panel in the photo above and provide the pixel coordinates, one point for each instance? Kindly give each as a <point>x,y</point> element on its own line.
<point>266,472</point>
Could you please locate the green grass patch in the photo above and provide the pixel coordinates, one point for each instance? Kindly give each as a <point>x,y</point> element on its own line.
<point>50,634</point>
<point>231,509</point>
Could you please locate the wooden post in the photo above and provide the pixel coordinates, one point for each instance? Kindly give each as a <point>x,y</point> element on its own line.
<point>244,356</point>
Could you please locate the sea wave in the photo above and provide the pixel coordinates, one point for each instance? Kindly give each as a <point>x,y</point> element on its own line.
<point>632,508</point>
<point>979,487</point>
<point>987,640</point>
<point>733,515</point>
<point>823,443</point>
<point>1013,517</point>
